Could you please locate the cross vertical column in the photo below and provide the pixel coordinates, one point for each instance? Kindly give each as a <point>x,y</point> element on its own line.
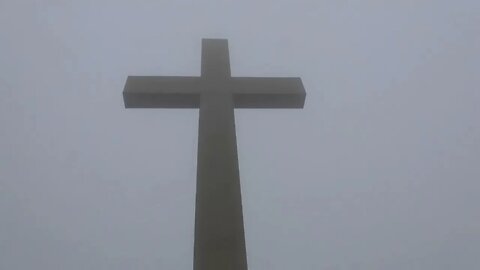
<point>219,232</point>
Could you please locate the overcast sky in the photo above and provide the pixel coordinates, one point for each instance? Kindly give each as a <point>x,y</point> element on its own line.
<point>380,170</point>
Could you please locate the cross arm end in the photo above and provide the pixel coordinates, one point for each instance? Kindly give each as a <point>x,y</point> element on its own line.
<point>257,92</point>
<point>161,92</point>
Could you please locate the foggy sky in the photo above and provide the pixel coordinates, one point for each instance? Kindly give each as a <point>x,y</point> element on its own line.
<point>380,170</point>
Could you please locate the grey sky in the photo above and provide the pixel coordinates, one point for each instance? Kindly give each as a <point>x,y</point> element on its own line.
<point>379,171</point>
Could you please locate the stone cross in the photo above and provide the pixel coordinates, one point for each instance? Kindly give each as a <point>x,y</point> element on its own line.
<point>219,242</point>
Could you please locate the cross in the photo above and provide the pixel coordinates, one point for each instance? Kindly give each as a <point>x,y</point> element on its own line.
<point>219,242</point>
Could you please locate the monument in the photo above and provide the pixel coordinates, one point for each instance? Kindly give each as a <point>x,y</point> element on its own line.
<point>219,233</point>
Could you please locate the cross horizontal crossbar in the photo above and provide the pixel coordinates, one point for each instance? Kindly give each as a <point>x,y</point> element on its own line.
<point>184,92</point>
